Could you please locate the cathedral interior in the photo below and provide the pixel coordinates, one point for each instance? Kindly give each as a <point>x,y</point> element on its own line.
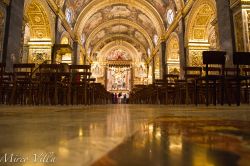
<point>124,82</point>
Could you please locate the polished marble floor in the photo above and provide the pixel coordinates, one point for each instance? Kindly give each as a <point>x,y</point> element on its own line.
<point>122,135</point>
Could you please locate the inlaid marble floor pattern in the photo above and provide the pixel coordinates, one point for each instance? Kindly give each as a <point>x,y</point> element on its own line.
<point>121,135</point>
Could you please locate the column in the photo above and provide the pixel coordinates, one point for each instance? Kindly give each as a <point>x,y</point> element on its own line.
<point>3,8</point>
<point>163,59</point>
<point>75,54</point>
<point>225,28</point>
<point>153,70</point>
<point>182,48</point>
<point>13,33</point>
<point>57,34</point>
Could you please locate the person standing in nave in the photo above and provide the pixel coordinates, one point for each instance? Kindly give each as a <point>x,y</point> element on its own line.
<point>125,98</point>
<point>116,97</point>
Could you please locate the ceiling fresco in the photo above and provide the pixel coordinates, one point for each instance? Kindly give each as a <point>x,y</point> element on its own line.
<point>160,5</point>
<point>142,23</point>
<point>122,12</point>
<point>122,30</point>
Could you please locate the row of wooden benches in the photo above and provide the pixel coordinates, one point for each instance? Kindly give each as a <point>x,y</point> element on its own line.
<point>51,84</point>
<point>213,83</point>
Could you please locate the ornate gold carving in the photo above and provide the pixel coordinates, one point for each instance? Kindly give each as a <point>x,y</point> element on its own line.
<point>173,48</point>
<point>239,31</point>
<point>115,22</point>
<point>195,58</point>
<point>96,5</point>
<point>38,21</point>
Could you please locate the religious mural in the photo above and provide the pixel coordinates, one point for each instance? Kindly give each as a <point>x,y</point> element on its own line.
<point>120,12</point>
<point>118,55</point>
<point>119,78</point>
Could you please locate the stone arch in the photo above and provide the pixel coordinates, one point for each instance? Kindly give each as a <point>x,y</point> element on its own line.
<point>173,53</point>
<point>201,30</point>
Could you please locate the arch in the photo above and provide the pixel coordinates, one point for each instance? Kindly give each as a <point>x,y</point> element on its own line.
<point>39,19</point>
<point>65,38</point>
<point>199,29</point>
<point>121,22</point>
<point>202,14</point>
<point>117,37</point>
<point>124,45</point>
<point>96,5</point>
<point>173,54</point>
<point>173,48</point>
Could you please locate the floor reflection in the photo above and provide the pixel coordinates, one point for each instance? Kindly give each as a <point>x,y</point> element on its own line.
<point>118,123</point>
<point>185,141</point>
<point>79,136</point>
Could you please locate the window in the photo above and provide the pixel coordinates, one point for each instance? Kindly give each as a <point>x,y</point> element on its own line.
<point>68,15</point>
<point>170,16</point>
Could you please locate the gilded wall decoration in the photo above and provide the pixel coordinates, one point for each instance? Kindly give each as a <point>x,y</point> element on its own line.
<point>239,31</point>
<point>196,58</point>
<point>173,55</point>
<point>213,40</point>
<point>157,66</point>
<point>248,29</point>
<point>173,69</point>
<point>39,55</point>
<point>173,48</point>
<point>38,21</point>
<point>201,33</point>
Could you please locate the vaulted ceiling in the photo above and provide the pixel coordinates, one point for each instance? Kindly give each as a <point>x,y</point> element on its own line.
<point>98,22</point>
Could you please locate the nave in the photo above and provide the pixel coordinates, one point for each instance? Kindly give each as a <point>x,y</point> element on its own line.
<point>124,82</point>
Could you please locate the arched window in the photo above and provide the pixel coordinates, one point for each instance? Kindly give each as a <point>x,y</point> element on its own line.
<point>156,38</point>
<point>170,16</point>
<point>69,15</point>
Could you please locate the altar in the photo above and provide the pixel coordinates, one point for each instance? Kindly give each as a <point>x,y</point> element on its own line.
<point>119,78</point>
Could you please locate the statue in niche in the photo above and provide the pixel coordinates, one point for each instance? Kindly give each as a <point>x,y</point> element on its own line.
<point>97,70</point>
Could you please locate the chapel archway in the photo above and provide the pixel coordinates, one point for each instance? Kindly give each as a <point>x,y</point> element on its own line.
<point>38,32</point>
<point>173,54</point>
<point>201,31</point>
